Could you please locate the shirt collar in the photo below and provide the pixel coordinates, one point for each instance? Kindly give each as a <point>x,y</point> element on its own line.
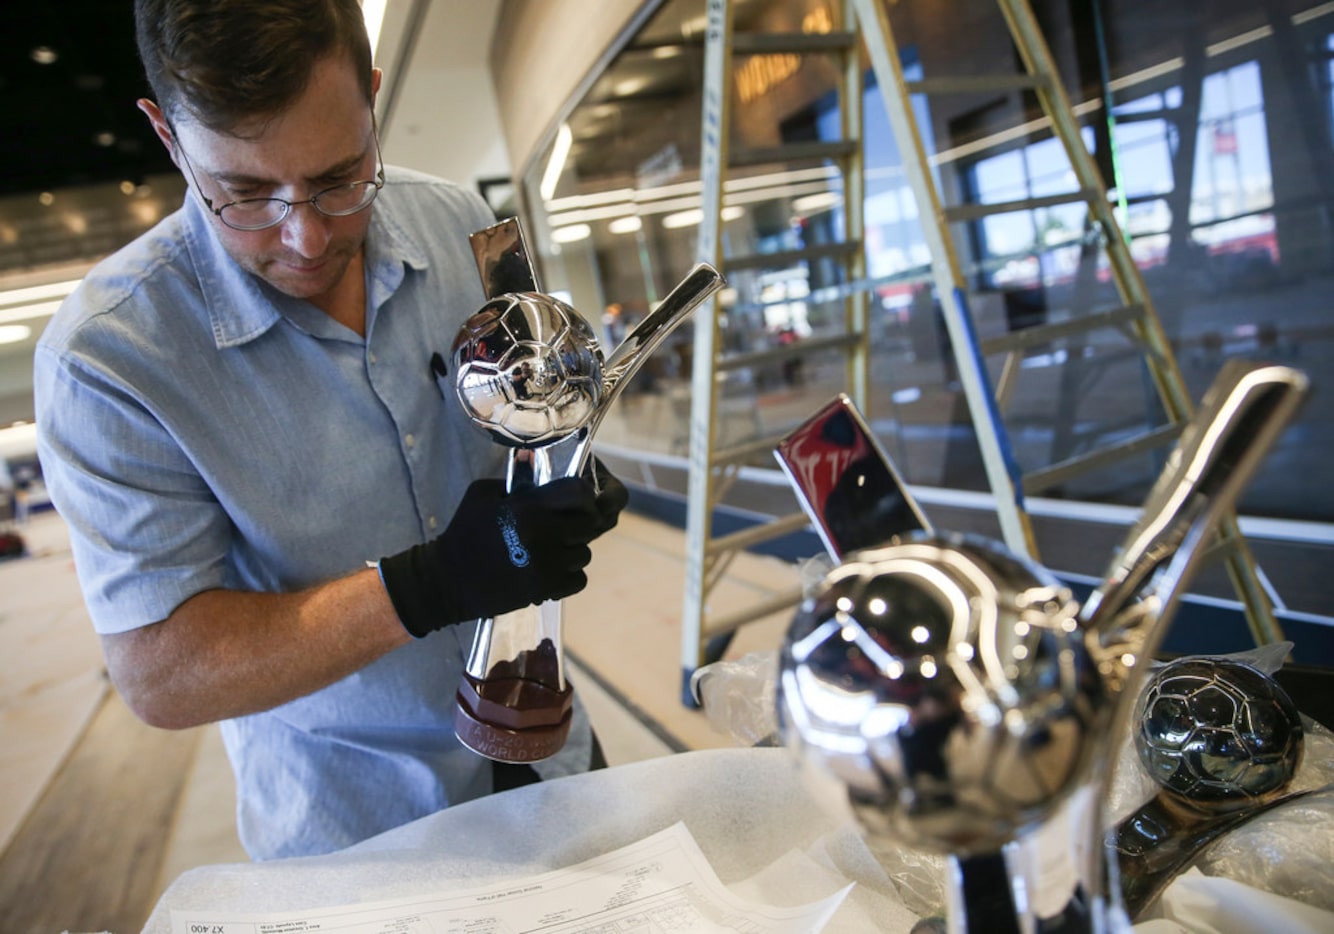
<point>241,307</point>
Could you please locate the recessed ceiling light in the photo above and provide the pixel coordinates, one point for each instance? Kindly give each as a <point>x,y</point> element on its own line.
<point>13,333</point>
<point>688,218</point>
<point>44,55</point>
<point>623,225</point>
<point>571,234</point>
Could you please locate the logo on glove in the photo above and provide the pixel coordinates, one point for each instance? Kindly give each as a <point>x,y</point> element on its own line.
<point>510,531</point>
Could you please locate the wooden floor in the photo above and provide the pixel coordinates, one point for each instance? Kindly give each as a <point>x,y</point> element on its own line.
<point>100,812</point>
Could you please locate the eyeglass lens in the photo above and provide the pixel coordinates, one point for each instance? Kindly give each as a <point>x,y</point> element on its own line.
<point>265,212</point>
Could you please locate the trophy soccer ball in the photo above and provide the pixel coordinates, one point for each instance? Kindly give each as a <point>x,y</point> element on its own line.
<point>947,685</point>
<point>528,369</point>
<point>1217,732</point>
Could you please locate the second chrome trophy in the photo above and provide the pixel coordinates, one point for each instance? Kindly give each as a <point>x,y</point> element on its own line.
<point>529,370</point>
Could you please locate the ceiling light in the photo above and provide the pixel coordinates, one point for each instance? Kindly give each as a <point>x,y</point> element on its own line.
<point>571,234</point>
<point>13,333</point>
<point>629,87</point>
<point>556,164</point>
<point>812,204</point>
<point>624,225</point>
<point>105,138</point>
<point>44,55</point>
<point>34,301</point>
<point>693,216</point>
<point>47,199</point>
<point>688,218</point>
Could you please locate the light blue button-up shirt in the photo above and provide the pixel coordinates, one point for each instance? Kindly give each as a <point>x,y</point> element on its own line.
<point>199,430</point>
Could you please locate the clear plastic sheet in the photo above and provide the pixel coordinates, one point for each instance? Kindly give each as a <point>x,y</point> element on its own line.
<point>1288,851</point>
<point>739,697</point>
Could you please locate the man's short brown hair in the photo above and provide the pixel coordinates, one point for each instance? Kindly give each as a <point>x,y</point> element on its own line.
<point>225,63</point>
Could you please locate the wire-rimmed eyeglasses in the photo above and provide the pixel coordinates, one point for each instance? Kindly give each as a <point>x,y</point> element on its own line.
<point>262,213</point>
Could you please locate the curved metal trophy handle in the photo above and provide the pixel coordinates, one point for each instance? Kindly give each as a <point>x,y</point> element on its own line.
<point>1239,420</point>
<point>634,350</point>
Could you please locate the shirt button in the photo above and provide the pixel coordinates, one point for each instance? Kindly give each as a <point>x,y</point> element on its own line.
<point>409,440</point>
<point>430,521</point>
<point>372,359</point>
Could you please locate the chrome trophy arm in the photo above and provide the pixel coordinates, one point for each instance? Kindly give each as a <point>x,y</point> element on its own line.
<point>1239,420</point>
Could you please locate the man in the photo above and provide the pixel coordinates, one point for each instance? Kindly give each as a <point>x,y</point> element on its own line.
<point>279,519</point>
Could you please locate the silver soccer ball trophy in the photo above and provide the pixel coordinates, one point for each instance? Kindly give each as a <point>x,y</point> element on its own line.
<point>528,369</point>
<point>1224,742</point>
<point>961,694</point>
<point>946,683</point>
<point>1217,732</point>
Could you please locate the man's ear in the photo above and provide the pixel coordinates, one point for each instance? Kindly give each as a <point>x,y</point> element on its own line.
<point>159,123</point>
<point>377,75</point>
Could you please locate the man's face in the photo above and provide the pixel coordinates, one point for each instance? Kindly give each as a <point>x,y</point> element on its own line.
<point>324,139</point>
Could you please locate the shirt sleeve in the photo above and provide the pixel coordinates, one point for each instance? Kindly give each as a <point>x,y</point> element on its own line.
<point>145,530</point>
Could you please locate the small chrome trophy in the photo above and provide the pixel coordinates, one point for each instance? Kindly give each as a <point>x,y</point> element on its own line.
<point>1223,741</point>
<point>963,696</point>
<point>529,370</point>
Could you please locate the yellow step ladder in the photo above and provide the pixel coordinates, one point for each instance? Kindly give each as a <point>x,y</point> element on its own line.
<point>865,26</point>
<point>724,170</point>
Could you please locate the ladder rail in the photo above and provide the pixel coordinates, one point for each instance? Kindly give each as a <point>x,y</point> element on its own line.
<point>1001,468</point>
<point>1161,360</point>
<point>712,469</point>
<point>714,133</point>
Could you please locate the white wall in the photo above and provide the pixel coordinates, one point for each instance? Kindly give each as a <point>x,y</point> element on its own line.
<point>443,116</point>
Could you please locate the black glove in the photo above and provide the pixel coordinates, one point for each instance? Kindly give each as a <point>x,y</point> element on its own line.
<point>502,552</point>
<point>612,495</point>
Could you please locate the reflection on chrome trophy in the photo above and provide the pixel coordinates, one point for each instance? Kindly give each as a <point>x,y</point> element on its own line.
<point>529,370</point>
<point>963,696</point>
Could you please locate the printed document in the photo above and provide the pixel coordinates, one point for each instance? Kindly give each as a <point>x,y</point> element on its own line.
<point>659,884</point>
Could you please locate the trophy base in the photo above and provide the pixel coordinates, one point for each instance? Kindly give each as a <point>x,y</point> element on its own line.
<point>531,724</point>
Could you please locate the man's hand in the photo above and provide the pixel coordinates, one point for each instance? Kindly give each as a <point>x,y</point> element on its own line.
<point>503,551</point>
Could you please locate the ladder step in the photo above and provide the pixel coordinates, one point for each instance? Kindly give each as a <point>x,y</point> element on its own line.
<point>722,624</point>
<point>974,84</point>
<point>740,361</point>
<point>794,152</point>
<point>1169,114</point>
<point>973,212</point>
<point>759,533</point>
<point>791,43</point>
<point>740,453</point>
<point>1044,333</point>
<point>782,258</point>
<point>1038,480</point>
